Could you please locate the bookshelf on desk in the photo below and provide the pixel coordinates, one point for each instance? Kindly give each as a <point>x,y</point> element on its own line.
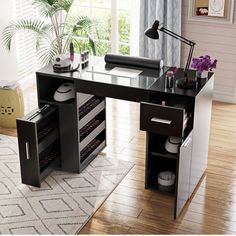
<point>77,128</point>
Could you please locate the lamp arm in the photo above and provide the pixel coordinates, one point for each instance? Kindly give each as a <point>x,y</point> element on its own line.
<point>177,36</point>
<point>184,40</point>
<point>189,59</point>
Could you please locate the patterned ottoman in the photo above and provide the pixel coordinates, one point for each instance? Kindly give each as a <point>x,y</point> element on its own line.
<point>11,106</point>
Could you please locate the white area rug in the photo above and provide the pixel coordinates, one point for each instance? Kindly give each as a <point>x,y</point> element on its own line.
<point>63,204</point>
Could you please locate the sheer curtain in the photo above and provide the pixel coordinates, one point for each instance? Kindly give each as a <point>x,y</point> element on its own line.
<point>168,12</point>
<point>27,60</point>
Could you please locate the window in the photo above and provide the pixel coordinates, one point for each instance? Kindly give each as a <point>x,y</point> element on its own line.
<point>117,30</point>
<point>117,24</point>
<point>27,62</point>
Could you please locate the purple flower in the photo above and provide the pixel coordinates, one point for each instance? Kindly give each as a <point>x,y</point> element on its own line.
<point>203,63</point>
<point>175,70</point>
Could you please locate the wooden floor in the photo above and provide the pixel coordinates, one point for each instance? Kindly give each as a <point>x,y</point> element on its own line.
<point>132,209</point>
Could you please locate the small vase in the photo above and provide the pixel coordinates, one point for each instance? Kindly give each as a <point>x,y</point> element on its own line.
<point>202,74</point>
<point>202,77</point>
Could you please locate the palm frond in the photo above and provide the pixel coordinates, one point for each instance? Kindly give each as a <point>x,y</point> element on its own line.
<point>64,5</point>
<point>59,38</point>
<point>47,34</point>
<point>47,52</point>
<point>45,9</point>
<point>83,26</point>
<point>48,8</point>
<point>92,45</point>
<point>14,26</point>
<point>81,23</point>
<point>77,44</point>
<point>49,2</point>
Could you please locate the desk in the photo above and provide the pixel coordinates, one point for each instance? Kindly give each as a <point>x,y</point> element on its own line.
<point>187,115</point>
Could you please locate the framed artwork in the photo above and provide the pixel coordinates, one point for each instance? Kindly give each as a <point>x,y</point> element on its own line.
<point>216,11</point>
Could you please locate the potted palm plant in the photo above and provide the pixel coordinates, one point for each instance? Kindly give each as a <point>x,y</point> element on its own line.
<point>54,30</point>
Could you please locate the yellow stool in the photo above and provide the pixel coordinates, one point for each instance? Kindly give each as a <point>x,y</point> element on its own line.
<point>11,107</point>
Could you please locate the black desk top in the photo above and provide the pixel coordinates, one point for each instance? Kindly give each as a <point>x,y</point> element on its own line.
<point>96,78</point>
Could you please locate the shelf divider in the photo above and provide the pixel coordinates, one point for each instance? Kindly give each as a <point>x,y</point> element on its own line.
<point>92,135</point>
<point>164,155</point>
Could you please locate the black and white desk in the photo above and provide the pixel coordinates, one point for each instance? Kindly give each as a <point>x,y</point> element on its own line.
<point>59,138</point>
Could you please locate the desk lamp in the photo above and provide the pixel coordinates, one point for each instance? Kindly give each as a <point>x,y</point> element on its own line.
<point>153,33</point>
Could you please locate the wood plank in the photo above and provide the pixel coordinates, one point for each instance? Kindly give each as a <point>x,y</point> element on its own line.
<point>103,227</point>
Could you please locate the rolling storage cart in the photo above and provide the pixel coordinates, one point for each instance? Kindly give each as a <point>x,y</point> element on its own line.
<point>47,135</point>
<point>39,144</point>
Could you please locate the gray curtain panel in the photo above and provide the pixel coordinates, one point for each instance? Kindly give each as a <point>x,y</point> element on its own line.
<point>168,13</point>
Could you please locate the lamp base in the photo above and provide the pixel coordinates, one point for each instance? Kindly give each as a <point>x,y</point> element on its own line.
<point>184,83</point>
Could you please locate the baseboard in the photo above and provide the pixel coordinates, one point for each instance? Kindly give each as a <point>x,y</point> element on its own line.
<point>224,98</point>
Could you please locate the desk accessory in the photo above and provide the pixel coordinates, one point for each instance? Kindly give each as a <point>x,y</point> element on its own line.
<point>134,61</point>
<point>172,144</point>
<point>125,72</point>
<point>65,92</point>
<point>169,81</point>
<point>72,52</point>
<point>63,63</point>
<point>166,178</point>
<point>153,33</point>
<point>84,59</point>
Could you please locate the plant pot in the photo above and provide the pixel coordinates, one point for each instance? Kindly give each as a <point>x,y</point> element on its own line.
<point>202,74</point>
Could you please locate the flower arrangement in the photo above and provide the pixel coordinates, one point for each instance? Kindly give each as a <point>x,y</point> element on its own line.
<point>203,63</point>
<point>201,11</point>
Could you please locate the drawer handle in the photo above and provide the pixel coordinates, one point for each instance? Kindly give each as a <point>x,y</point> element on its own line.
<point>163,121</point>
<point>27,150</point>
<point>187,142</point>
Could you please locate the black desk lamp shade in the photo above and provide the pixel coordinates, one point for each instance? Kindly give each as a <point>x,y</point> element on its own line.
<point>153,33</point>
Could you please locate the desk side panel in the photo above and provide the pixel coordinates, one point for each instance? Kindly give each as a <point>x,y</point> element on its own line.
<point>201,133</point>
<point>69,138</point>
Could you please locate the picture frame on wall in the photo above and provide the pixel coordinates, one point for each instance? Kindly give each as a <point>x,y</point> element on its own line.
<point>215,11</point>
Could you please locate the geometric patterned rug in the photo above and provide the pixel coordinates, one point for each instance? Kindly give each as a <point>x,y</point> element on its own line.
<point>65,201</point>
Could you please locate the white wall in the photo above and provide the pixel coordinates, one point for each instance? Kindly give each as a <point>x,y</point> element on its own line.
<point>8,68</point>
<point>218,41</point>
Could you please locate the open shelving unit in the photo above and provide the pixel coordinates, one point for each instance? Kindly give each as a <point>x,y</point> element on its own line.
<point>46,88</point>
<point>159,150</point>
<point>91,126</point>
<point>159,160</point>
<point>177,122</point>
